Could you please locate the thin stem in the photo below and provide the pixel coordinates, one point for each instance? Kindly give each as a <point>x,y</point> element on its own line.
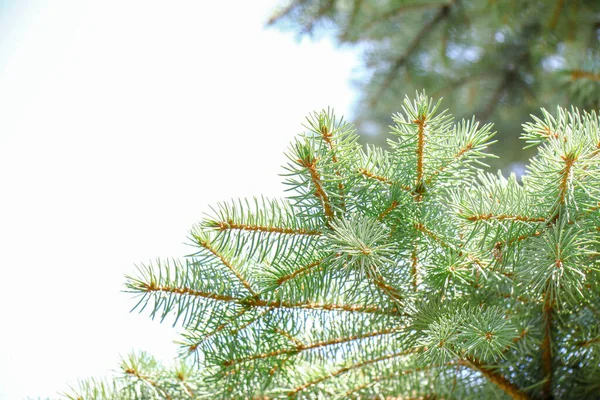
<point>300,347</point>
<point>581,74</point>
<point>546,346</point>
<point>205,244</point>
<point>494,377</point>
<point>254,302</point>
<point>230,225</point>
<point>318,184</point>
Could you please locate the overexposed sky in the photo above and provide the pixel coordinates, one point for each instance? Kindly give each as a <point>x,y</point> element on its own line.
<point>120,122</point>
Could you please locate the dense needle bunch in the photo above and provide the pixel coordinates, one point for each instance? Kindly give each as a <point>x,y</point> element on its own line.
<point>400,273</point>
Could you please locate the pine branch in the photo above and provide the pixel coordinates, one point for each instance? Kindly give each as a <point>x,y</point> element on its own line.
<point>317,295</point>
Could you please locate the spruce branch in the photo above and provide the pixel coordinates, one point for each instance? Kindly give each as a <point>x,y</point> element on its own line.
<point>399,272</point>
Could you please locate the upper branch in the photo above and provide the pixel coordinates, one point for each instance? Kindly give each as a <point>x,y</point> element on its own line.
<point>442,13</point>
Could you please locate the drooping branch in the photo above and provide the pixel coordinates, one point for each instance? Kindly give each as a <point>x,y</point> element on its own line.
<point>403,8</point>
<point>496,95</point>
<point>344,37</point>
<point>442,13</point>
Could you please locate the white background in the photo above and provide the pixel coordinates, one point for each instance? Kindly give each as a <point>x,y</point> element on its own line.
<point>120,122</point>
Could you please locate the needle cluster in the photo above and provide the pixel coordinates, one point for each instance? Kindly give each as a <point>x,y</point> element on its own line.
<point>399,273</point>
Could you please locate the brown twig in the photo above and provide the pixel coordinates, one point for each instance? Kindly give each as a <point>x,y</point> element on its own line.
<point>502,217</point>
<point>317,183</point>
<point>282,279</point>
<point>254,302</point>
<point>556,14</point>
<point>231,225</point>
<point>494,377</point>
<point>301,347</point>
<point>205,244</point>
<point>546,347</point>
<point>327,139</point>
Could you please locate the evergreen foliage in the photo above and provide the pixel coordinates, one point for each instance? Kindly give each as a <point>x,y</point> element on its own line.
<point>499,60</point>
<point>405,273</point>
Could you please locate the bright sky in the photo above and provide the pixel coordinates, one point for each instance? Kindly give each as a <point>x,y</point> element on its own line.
<point>121,121</point>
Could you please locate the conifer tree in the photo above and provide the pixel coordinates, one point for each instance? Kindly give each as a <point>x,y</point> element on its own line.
<point>498,60</point>
<point>403,273</point>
